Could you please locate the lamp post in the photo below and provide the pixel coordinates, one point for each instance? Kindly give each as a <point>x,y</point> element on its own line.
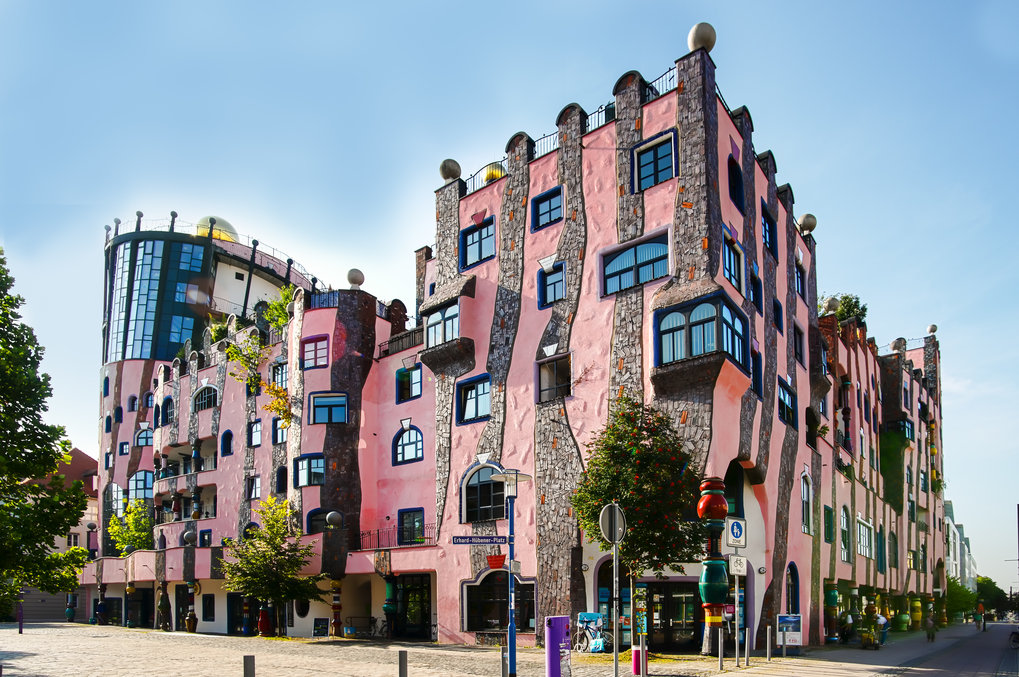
<point>510,479</point>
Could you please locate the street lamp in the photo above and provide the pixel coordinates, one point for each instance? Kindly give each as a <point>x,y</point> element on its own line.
<point>510,479</point>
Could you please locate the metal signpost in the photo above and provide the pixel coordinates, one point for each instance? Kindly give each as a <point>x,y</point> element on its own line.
<point>737,567</point>
<point>613,529</point>
<point>736,537</point>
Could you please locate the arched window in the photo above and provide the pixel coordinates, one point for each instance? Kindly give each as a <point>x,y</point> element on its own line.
<point>792,590</point>
<point>487,602</point>
<point>106,387</point>
<point>672,331</point>
<point>736,185</point>
<point>132,403</point>
<point>167,417</point>
<point>408,446</point>
<point>442,325</point>
<point>118,415</point>
<point>316,521</point>
<point>636,265</point>
<point>484,498</point>
<point>143,438</point>
<point>205,398</point>
<point>108,425</point>
<point>805,505</point>
<point>226,443</point>
<point>702,329</point>
<point>148,400</point>
<point>846,539</point>
<point>281,480</point>
<point>732,334</point>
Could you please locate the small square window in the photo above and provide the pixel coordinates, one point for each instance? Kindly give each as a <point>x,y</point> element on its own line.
<point>554,379</point>
<point>124,449</point>
<point>255,433</point>
<point>205,539</point>
<point>309,471</point>
<point>551,285</point>
<point>315,353</point>
<point>654,165</point>
<point>477,243</point>
<point>547,209</point>
<point>412,526</point>
<point>408,384</point>
<point>776,308</point>
<point>474,400</point>
<point>798,348</point>
<point>786,404</point>
<point>253,488</point>
<point>329,408</point>
<point>732,263</point>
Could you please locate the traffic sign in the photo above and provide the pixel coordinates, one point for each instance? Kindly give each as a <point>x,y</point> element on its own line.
<point>735,532</point>
<point>612,523</point>
<point>737,565</point>
<point>479,540</point>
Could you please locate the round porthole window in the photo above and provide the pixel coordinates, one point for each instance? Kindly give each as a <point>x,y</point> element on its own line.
<point>301,608</point>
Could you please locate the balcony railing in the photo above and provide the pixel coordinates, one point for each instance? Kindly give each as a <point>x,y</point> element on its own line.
<point>604,115</point>
<point>663,84</point>
<point>546,144</point>
<point>389,537</point>
<point>493,171</point>
<point>922,526</point>
<point>400,342</point>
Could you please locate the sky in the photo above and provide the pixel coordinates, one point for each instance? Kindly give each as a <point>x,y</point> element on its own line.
<point>318,128</point>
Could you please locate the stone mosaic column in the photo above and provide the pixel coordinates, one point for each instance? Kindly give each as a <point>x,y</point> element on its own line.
<point>714,582</point>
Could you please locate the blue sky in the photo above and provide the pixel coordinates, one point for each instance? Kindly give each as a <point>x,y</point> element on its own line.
<point>318,127</point>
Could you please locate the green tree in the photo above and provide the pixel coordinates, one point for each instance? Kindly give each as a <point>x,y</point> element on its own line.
<point>134,529</point>
<point>277,314</point>
<point>994,598</point>
<point>849,306</point>
<point>36,507</point>
<point>266,563</point>
<point>638,461</point>
<point>958,598</point>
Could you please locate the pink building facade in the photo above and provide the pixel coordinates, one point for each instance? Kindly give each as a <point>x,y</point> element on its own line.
<point>643,250</point>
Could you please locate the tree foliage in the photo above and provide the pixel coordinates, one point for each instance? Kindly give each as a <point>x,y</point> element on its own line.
<point>134,529</point>
<point>849,306</point>
<point>36,507</point>
<point>992,596</point>
<point>277,314</point>
<point>266,564</point>
<point>959,598</point>
<point>638,461</point>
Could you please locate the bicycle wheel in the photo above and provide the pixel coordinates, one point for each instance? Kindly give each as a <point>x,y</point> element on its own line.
<point>1013,640</point>
<point>581,642</point>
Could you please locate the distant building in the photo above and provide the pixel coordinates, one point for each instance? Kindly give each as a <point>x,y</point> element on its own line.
<point>644,249</point>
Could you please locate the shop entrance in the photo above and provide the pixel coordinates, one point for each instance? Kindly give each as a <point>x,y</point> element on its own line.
<point>675,617</point>
<point>414,607</point>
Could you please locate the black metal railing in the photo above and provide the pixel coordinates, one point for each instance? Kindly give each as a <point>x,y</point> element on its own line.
<point>604,115</point>
<point>400,342</point>
<point>663,84</point>
<point>493,171</point>
<point>325,299</point>
<point>390,537</point>
<point>546,144</point>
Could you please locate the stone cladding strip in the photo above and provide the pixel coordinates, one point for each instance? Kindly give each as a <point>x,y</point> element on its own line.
<point>769,348</point>
<point>816,579</point>
<point>447,230</point>
<point>512,235</point>
<point>479,552</point>
<point>787,475</point>
<point>295,384</point>
<point>355,320</point>
<point>626,373</point>
<point>697,120</point>
<point>557,454</point>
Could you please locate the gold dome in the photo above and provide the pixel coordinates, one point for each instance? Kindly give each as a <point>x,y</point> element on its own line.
<point>221,231</point>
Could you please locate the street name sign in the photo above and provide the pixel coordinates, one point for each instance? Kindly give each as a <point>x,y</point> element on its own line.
<point>479,540</point>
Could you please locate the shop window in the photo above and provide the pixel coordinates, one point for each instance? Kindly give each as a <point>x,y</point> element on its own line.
<point>786,404</point>
<point>279,431</point>
<point>487,604</point>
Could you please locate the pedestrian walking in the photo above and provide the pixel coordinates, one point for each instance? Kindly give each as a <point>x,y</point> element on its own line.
<point>882,627</point>
<point>931,628</point>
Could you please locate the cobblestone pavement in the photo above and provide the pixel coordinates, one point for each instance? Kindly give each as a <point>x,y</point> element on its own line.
<point>65,650</point>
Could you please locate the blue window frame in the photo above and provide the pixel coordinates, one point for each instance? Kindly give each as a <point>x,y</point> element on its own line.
<point>474,399</point>
<point>547,208</point>
<point>736,185</point>
<point>551,285</point>
<point>442,325</point>
<point>637,264</point>
<point>701,327</point>
<point>143,438</point>
<point>108,425</point>
<point>255,433</point>
<point>757,293</point>
<point>166,417</point>
<point>411,526</point>
<point>329,408</point>
<point>279,431</point>
<point>124,448</point>
<point>801,281</point>
<point>309,471</point>
<point>226,443</point>
<point>279,375</point>
<point>769,236</point>
<point>408,446</point>
<point>477,243</point>
<point>798,345</point>
<point>118,415</point>
<point>757,374</point>
<point>786,404</point>
<point>408,384</point>
<point>484,498</point>
<point>654,164</point>
<point>106,386</point>
<point>108,460</point>
<point>776,309</point>
<point>732,263</point>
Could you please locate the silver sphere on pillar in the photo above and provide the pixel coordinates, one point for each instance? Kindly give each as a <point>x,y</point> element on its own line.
<point>932,328</point>
<point>701,35</point>
<point>355,277</point>
<point>449,170</point>
<point>334,519</point>
<point>190,537</point>
<point>807,223</point>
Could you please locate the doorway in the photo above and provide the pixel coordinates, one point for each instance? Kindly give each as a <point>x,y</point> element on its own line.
<point>414,607</point>
<point>674,615</point>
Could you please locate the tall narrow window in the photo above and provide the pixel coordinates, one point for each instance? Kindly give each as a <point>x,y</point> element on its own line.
<point>408,384</point>
<point>805,507</point>
<point>732,263</point>
<point>786,404</point>
<point>801,282</point>
<point>702,329</point>
<point>226,443</point>
<point>255,433</point>
<point>769,237</point>
<point>736,185</point>
<point>672,334</point>
<point>279,431</point>
<point>732,334</point>
<point>846,537</point>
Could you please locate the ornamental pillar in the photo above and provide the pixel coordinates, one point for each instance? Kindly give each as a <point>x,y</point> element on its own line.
<point>335,584</point>
<point>714,581</point>
<point>831,611</point>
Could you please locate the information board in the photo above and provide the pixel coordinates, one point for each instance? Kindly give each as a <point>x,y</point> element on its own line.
<point>321,627</point>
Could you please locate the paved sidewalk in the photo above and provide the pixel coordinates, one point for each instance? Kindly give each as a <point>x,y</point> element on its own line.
<point>76,650</point>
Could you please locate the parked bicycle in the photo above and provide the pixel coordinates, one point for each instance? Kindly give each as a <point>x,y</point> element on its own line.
<point>590,634</point>
<point>380,628</point>
<point>1013,639</point>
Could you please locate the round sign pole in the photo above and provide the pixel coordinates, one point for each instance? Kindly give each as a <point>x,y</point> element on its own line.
<point>613,528</point>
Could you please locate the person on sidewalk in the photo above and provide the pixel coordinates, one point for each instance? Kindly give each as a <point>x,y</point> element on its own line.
<point>846,629</point>
<point>882,627</point>
<point>931,627</point>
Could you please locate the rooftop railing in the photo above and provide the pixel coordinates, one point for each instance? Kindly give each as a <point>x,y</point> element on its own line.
<point>490,173</point>
<point>400,342</point>
<point>546,144</point>
<point>605,114</point>
<point>663,84</point>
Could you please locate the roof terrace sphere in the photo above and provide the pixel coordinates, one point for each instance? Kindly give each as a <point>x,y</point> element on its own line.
<point>449,169</point>
<point>701,35</point>
<point>221,230</point>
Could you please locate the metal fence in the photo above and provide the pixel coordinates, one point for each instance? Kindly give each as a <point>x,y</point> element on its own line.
<point>663,84</point>
<point>400,342</point>
<point>546,144</point>
<point>390,537</point>
<point>493,171</point>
